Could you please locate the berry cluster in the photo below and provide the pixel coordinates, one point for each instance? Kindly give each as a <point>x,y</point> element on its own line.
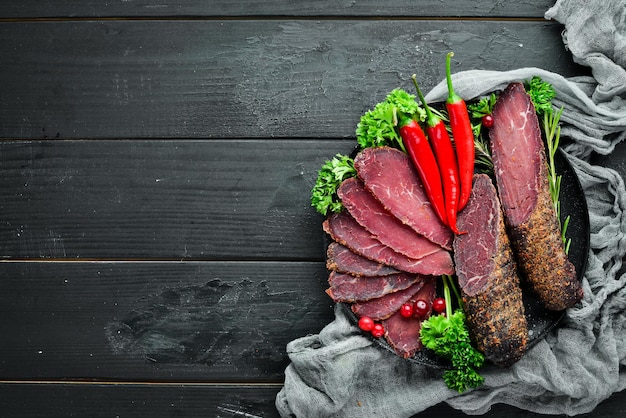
<point>420,309</point>
<point>367,324</point>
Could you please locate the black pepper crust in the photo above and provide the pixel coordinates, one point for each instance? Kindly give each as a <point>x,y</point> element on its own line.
<point>541,254</point>
<point>496,314</point>
<point>536,241</point>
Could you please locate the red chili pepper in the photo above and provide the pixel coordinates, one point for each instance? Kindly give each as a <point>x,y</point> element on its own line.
<point>446,160</point>
<point>463,137</point>
<point>424,161</point>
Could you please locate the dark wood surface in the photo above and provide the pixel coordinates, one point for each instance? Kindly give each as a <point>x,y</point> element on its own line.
<point>273,9</point>
<point>157,244</point>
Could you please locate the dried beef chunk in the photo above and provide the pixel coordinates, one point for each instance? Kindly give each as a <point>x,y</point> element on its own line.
<point>385,306</point>
<point>521,173</point>
<point>345,230</point>
<point>341,259</point>
<point>403,334</point>
<point>389,175</point>
<point>388,229</point>
<point>348,288</point>
<point>488,277</point>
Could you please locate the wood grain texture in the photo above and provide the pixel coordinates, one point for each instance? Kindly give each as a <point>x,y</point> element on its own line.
<point>239,79</point>
<point>19,400</point>
<point>166,199</point>
<point>143,321</point>
<point>203,200</point>
<point>272,8</point>
<point>137,400</point>
<point>158,246</point>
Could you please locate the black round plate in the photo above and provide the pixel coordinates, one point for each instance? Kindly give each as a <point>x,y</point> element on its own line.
<point>540,320</point>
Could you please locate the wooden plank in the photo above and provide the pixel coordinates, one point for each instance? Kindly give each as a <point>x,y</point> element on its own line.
<point>136,400</point>
<point>169,199</point>
<point>192,400</point>
<point>203,200</point>
<point>143,321</point>
<point>260,8</point>
<point>239,78</point>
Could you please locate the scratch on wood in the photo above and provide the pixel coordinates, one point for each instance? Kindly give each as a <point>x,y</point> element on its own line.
<point>215,324</point>
<point>234,411</point>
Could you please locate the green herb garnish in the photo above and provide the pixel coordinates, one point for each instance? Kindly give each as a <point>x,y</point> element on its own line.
<point>541,93</point>
<point>478,110</point>
<point>552,130</point>
<point>483,107</point>
<point>324,194</point>
<point>448,336</point>
<point>378,127</point>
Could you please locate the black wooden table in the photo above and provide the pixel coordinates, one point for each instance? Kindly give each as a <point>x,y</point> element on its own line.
<point>158,246</point>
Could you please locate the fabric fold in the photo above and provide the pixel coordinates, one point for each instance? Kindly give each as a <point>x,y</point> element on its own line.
<point>594,33</point>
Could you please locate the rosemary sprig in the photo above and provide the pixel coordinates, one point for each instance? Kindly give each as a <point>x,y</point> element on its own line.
<point>477,110</point>
<point>541,93</point>
<point>552,130</point>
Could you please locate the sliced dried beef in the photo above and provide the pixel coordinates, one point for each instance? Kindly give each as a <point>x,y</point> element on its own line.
<point>385,306</point>
<point>345,230</point>
<point>389,175</point>
<point>385,227</point>
<point>348,288</point>
<point>488,277</point>
<point>521,173</point>
<point>341,259</point>
<point>403,334</point>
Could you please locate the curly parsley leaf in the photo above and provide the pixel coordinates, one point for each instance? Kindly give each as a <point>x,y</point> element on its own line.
<point>541,94</point>
<point>482,107</point>
<point>324,193</point>
<point>404,102</point>
<point>460,379</point>
<point>448,336</point>
<point>378,127</point>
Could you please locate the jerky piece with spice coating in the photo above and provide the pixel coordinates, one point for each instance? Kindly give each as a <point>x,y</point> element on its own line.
<point>521,173</point>
<point>488,278</point>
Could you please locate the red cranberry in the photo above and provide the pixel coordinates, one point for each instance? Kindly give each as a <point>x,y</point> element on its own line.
<point>366,323</point>
<point>421,308</point>
<point>406,310</point>
<point>439,305</point>
<point>378,330</point>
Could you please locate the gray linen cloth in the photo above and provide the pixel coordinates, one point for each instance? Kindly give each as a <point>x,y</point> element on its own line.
<point>340,372</point>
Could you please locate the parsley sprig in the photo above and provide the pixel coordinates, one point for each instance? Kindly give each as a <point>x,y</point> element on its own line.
<point>324,194</point>
<point>448,336</point>
<point>378,127</point>
<point>541,94</point>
